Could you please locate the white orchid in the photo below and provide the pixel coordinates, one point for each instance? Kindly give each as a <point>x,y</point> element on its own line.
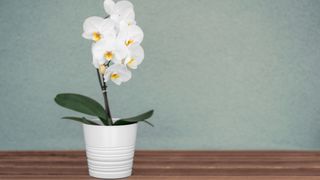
<point>130,34</point>
<point>109,50</point>
<point>121,11</point>
<point>135,56</point>
<point>118,73</point>
<point>117,38</point>
<point>97,28</point>
<point>115,49</point>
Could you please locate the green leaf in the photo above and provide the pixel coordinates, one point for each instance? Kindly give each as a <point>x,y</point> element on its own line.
<point>121,123</point>
<point>141,117</point>
<point>148,123</point>
<point>82,120</point>
<point>81,104</point>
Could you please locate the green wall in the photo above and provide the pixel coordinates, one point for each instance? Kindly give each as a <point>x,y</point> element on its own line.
<point>220,74</point>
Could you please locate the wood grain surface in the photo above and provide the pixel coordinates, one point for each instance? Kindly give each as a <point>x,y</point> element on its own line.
<point>169,165</point>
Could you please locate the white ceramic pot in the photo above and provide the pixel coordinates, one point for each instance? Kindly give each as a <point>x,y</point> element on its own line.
<point>110,150</point>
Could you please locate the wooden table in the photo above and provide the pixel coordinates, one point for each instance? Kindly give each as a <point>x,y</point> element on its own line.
<point>167,165</point>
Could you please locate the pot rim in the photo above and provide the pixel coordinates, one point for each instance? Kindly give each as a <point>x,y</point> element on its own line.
<point>112,126</point>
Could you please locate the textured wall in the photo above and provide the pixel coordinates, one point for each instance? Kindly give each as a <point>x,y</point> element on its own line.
<point>219,74</point>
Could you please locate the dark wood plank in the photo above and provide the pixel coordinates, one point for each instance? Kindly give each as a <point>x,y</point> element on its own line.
<point>231,165</point>
<point>77,177</point>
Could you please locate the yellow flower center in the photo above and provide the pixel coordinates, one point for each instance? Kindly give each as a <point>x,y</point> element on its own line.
<point>132,60</point>
<point>96,36</point>
<point>115,76</point>
<point>102,69</point>
<point>129,42</point>
<point>108,55</point>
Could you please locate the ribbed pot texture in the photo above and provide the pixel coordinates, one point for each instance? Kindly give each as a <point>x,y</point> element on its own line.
<point>110,150</point>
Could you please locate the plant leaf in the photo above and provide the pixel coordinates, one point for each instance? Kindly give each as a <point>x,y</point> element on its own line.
<point>149,123</point>
<point>82,120</point>
<point>141,117</point>
<point>121,123</point>
<point>81,104</point>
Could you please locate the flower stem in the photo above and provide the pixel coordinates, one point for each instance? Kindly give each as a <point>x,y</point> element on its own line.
<point>105,97</point>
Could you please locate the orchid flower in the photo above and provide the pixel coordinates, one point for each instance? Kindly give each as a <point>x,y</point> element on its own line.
<point>109,50</point>
<point>130,34</point>
<point>121,11</point>
<point>135,56</point>
<point>96,28</point>
<point>118,73</point>
<point>117,40</point>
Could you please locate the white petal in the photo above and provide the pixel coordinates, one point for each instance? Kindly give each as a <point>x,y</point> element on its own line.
<point>101,61</point>
<point>101,47</point>
<point>122,6</point>
<point>118,81</point>
<point>132,65</point>
<point>121,51</point>
<point>114,68</point>
<point>98,52</point>
<point>95,63</point>
<point>129,17</point>
<point>91,25</point>
<point>107,28</point>
<point>125,75</point>
<point>123,31</point>
<point>137,52</point>
<point>130,32</point>
<point>107,75</point>
<point>109,6</point>
<point>123,11</point>
<point>135,33</point>
<point>87,35</point>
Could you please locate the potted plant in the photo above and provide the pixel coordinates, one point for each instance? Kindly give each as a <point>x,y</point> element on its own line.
<point>116,50</point>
